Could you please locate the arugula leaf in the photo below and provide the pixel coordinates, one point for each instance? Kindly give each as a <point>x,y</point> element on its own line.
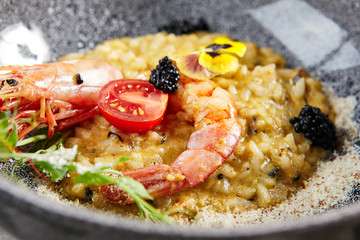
<point>13,137</point>
<point>45,142</point>
<point>8,135</point>
<point>184,211</point>
<point>31,140</point>
<point>96,175</point>
<point>58,161</point>
<point>56,174</point>
<point>4,123</point>
<point>94,179</point>
<point>135,190</point>
<point>134,186</point>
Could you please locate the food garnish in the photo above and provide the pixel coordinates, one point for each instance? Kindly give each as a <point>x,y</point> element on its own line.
<point>58,161</point>
<point>166,76</point>
<point>132,105</point>
<point>268,165</point>
<point>316,126</point>
<point>220,57</point>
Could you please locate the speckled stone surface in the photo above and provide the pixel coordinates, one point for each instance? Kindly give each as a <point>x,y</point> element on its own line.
<point>330,51</point>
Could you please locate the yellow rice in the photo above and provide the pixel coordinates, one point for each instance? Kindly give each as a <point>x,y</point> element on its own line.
<point>271,160</point>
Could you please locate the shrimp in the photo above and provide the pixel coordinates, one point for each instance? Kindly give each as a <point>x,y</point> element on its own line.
<point>216,135</point>
<point>59,94</point>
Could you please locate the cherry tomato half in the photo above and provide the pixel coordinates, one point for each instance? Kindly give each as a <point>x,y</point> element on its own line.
<point>132,105</point>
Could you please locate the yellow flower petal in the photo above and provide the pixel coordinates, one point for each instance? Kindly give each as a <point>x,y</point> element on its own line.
<point>219,63</point>
<point>189,66</point>
<point>224,44</point>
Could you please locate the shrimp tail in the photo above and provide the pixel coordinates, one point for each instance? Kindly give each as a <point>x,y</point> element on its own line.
<point>159,180</point>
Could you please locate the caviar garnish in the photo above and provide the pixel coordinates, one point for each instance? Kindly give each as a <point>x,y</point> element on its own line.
<point>179,27</point>
<point>165,77</point>
<point>316,126</point>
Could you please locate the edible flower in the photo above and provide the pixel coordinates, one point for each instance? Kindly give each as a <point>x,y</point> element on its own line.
<point>220,57</point>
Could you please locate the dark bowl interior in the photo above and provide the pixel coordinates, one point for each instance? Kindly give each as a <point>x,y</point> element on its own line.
<point>323,36</point>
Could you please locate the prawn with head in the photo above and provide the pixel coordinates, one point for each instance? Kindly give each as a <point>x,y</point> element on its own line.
<point>60,94</point>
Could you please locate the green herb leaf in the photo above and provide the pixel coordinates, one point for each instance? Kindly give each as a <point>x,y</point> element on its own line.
<point>45,143</point>
<point>55,162</point>
<point>31,140</point>
<point>94,179</point>
<point>134,186</point>
<point>56,174</point>
<point>98,175</point>
<point>4,123</point>
<point>51,157</point>
<point>13,137</point>
<point>184,211</point>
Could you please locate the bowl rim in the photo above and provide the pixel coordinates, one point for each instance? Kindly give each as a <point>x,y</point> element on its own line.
<point>32,201</point>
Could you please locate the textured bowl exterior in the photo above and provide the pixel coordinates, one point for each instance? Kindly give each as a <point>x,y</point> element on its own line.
<point>332,55</point>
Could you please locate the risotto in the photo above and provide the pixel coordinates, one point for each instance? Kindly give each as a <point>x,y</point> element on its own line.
<point>270,162</point>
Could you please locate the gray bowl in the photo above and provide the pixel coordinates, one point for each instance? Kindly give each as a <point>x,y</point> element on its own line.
<point>323,36</point>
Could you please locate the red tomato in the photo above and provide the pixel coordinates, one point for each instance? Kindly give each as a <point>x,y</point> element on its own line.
<point>132,105</point>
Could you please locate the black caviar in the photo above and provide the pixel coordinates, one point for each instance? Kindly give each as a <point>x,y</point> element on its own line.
<point>316,126</point>
<point>165,77</point>
<point>179,27</point>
